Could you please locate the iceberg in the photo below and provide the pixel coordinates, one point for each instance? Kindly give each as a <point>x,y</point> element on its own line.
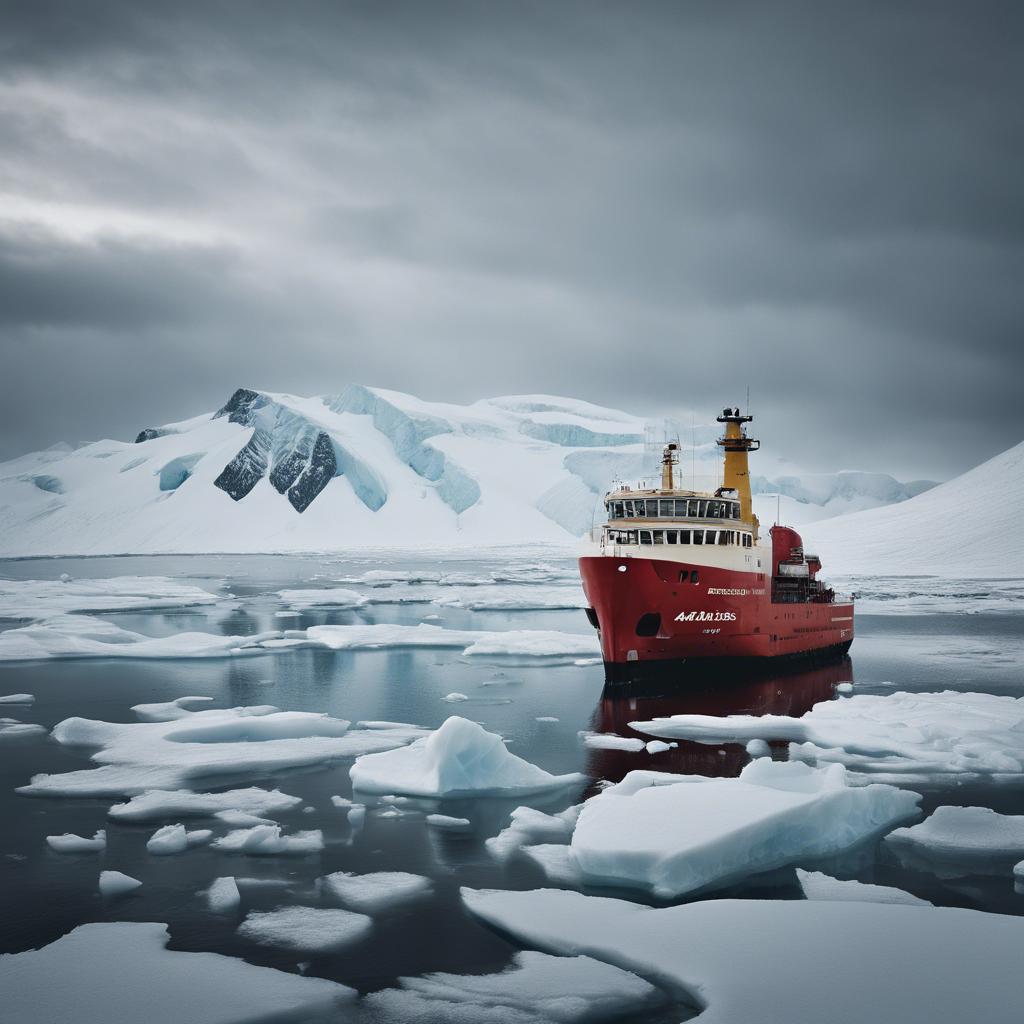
<point>671,835</point>
<point>169,755</point>
<point>377,891</point>
<point>459,758</point>
<point>898,737</point>
<point>780,961</point>
<point>305,929</point>
<point>123,973</point>
<point>536,988</point>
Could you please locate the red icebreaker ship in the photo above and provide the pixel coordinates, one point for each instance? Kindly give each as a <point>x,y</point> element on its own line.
<point>685,577</point>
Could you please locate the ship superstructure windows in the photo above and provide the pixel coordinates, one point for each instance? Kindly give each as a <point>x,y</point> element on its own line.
<point>673,508</point>
<point>720,538</point>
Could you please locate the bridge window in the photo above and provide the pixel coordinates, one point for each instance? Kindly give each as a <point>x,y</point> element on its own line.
<point>671,536</point>
<point>691,508</point>
<point>659,536</point>
<point>698,536</point>
<point>723,538</point>
<point>734,509</point>
<point>617,510</point>
<point>645,536</point>
<point>684,536</point>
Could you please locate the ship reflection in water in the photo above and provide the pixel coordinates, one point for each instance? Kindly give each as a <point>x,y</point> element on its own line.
<point>793,692</point>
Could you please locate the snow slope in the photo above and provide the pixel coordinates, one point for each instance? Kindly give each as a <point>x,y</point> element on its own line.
<point>966,527</point>
<point>363,468</point>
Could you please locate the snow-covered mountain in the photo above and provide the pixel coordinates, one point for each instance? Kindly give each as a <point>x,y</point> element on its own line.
<point>966,528</point>
<point>367,468</point>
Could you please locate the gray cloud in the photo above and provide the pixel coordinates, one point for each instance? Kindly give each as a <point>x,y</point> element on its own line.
<point>649,205</point>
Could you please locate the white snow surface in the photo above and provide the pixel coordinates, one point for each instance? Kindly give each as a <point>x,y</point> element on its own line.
<point>674,834</point>
<point>902,737</point>
<point>305,929</point>
<point>925,534</point>
<point>786,961</point>
<point>40,599</point>
<point>408,474</point>
<point>140,756</point>
<point>536,988</point>
<point>376,891</point>
<point>460,757</point>
<point>154,804</point>
<point>71,843</point>
<point>122,973</point>
<point>819,886</point>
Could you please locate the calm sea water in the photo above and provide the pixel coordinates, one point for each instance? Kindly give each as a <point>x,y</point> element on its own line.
<point>45,894</point>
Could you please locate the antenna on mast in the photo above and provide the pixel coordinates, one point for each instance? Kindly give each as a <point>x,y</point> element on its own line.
<point>748,399</point>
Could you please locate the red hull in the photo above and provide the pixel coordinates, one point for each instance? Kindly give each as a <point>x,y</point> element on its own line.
<point>727,614</point>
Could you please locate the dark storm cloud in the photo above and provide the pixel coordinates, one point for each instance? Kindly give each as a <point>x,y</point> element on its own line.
<point>650,205</point>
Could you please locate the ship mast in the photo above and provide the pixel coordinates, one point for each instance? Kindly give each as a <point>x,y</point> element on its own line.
<point>736,444</point>
<point>668,460</point>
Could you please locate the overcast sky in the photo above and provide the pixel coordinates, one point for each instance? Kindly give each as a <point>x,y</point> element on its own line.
<point>647,205</point>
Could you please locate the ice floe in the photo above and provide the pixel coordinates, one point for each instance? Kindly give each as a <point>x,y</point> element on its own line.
<point>170,839</point>
<point>139,756</point>
<point>117,883</point>
<point>674,834</point>
<point>901,737</point>
<point>956,841</point>
<point>71,843</point>
<point>449,823</point>
<point>460,757</point>
<point>269,841</point>
<point>515,642</point>
<point>376,891</point>
<point>536,988</point>
<point>305,929</point>
<point>780,961</point>
<point>327,597</point>
<point>609,741</point>
<point>529,827</point>
<point>122,973</point>
<point>18,698</point>
<point>222,897</point>
<point>154,804</point>
<point>39,599</point>
<point>511,598</point>
<point>819,886</point>
<point>11,728</point>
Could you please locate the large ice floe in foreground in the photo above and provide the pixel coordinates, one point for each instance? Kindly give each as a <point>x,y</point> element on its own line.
<point>957,841</point>
<point>536,989</point>
<point>195,745</point>
<point>786,961</point>
<point>674,834</point>
<point>899,737</point>
<point>38,599</point>
<point>460,757</point>
<point>305,929</point>
<point>122,973</point>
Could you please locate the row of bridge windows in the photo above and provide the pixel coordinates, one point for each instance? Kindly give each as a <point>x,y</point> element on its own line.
<point>719,537</point>
<point>673,508</point>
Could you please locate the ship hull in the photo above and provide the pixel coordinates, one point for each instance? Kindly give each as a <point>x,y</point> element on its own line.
<point>651,616</point>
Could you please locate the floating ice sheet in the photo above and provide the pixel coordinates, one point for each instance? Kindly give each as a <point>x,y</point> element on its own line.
<point>536,989</point>
<point>136,757</point>
<point>152,805</point>
<point>673,834</point>
<point>117,883</point>
<point>71,843</point>
<point>122,973</point>
<point>18,698</point>
<point>171,839</point>
<point>955,841</point>
<point>460,757</point>
<point>900,737</point>
<point>269,841</point>
<point>610,741</point>
<point>10,728</point>
<point>819,886</point>
<point>305,929</point>
<point>780,961</point>
<point>38,599</point>
<point>326,597</point>
<point>376,891</point>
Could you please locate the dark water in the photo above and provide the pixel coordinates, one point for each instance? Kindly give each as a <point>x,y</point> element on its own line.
<point>45,894</point>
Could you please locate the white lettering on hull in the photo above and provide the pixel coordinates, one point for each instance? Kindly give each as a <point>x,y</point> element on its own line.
<point>706,617</point>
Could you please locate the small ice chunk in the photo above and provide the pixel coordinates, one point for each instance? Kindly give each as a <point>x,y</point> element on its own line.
<point>528,827</point>
<point>11,728</point>
<point>154,804</point>
<point>819,886</point>
<point>305,929</point>
<point>341,801</point>
<point>659,746</point>
<point>327,597</point>
<point>356,815</point>
<point>234,818</point>
<point>171,839</point>
<point>459,757</point>
<point>376,891</point>
<point>267,840</point>
<point>973,839</point>
<point>446,821</point>
<point>223,895</point>
<point>759,748</point>
<point>844,688</point>
<point>70,843</point>
<point>609,741</point>
<point>18,698</point>
<point>455,698</point>
<point>545,718</point>
<point>116,883</point>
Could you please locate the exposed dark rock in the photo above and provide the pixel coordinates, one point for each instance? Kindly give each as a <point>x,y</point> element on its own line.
<point>240,407</point>
<point>320,468</point>
<point>149,434</point>
<point>247,468</point>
